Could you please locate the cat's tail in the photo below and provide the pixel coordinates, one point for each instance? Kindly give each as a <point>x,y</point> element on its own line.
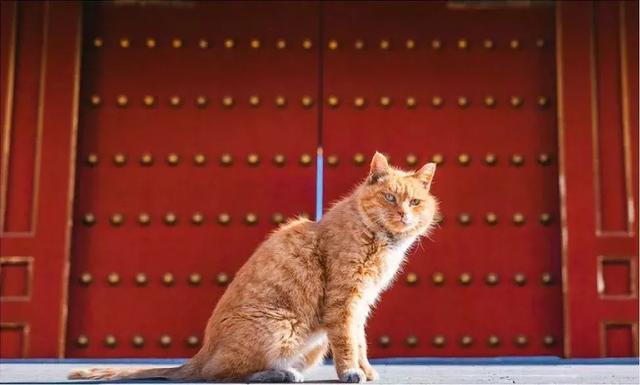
<point>184,372</point>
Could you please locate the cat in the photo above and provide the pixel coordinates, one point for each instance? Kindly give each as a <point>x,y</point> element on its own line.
<point>310,286</point>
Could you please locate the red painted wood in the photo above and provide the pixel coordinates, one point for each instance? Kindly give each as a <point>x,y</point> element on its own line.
<point>44,313</point>
<point>586,312</point>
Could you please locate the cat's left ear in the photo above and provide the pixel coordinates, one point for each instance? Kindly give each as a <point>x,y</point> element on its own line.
<point>426,173</point>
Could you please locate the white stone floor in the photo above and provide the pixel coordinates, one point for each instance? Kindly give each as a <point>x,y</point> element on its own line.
<point>55,373</point>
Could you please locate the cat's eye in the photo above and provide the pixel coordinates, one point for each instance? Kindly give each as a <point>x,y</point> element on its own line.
<point>389,198</point>
<point>415,202</point>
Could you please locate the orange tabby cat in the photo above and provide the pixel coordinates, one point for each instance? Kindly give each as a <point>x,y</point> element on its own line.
<point>310,286</point>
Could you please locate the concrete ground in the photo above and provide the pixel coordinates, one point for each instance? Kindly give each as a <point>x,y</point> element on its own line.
<point>604,372</point>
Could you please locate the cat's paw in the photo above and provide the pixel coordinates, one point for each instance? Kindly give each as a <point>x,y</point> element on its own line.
<point>353,376</point>
<point>370,372</point>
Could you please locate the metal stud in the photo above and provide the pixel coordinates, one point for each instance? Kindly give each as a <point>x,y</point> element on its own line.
<point>514,44</point>
<point>359,44</point>
<point>279,160</point>
<point>385,44</point>
<point>437,278</point>
<point>307,101</point>
<point>254,101</point>
<point>519,279</point>
<point>170,219</point>
<point>436,44</point>
<point>465,279</point>
<point>542,102</point>
<point>281,101</point>
<point>148,101</point>
<point>358,159</point>
<point>125,43</point>
<point>116,219</point>
<point>137,341</point>
<point>113,279</point>
<point>333,44</point>
<point>281,44</point>
<point>175,101</point>
<point>463,44</point>
<point>193,341</point>
<point>146,159</point>
<point>384,341</point>
<point>464,159</point>
<point>227,101</point>
<point>489,101</point>
<point>305,160</point>
<point>540,42</point>
<point>150,42</point>
<point>173,159</point>
<point>277,218</point>
<point>521,340</point>
<point>176,43</point>
<point>439,219</point>
<point>203,43</point>
<point>195,279</point>
<point>518,219</point>
<point>438,341</point>
<point>251,219</point>
<point>226,159</point>
<point>491,218</point>
<point>546,278</point>
<point>490,159</point>
<point>110,341</point>
<point>487,43</point>
<point>493,341</point>
<point>222,279</point>
<point>199,159</point>
<point>96,100</point>
<point>201,101</point>
<point>305,215</point>
<point>197,218</point>
<point>333,101</point>
<point>253,159</point>
<point>141,279</point>
<point>491,279</point>
<point>411,102</point>
<point>307,44</point>
<point>89,219</point>
<point>98,42</point>
<point>168,279</point>
<point>516,101</point>
<point>144,219</point>
<point>224,218</point>
<point>548,340</point>
<point>438,159</point>
<point>165,341</point>
<point>517,160</point>
<point>437,101</point>
<point>546,219</point>
<point>119,159</point>
<point>333,160</point>
<point>412,279</point>
<point>86,279</point>
<point>385,101</point>
<point>82,341</point>
<point>92,159</point>
<point>466,341</point>
<point>122,100</point>
<point>359,102</point>
<point>411,160</point>
<point>463,102</point>
<point>412,341</point>
<point>229,43</point>
<point>544,158</point>
<point>410,44</point>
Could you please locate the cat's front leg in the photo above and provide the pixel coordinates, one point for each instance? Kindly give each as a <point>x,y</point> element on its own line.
<point>342,331</point>
<point>363,361</point>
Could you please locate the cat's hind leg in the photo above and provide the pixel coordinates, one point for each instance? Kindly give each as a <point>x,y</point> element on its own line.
<point>277,376</point>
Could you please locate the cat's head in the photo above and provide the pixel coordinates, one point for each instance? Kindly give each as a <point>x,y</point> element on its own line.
<point>398,200</point>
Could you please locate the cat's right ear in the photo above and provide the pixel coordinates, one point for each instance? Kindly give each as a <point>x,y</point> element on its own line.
<point>379,168</point>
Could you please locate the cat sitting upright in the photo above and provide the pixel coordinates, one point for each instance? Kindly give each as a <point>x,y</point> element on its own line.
<point>310,286</point>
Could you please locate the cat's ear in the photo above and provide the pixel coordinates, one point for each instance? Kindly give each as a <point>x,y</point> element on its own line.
<point>426,173</point>
<point>379,168</point>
